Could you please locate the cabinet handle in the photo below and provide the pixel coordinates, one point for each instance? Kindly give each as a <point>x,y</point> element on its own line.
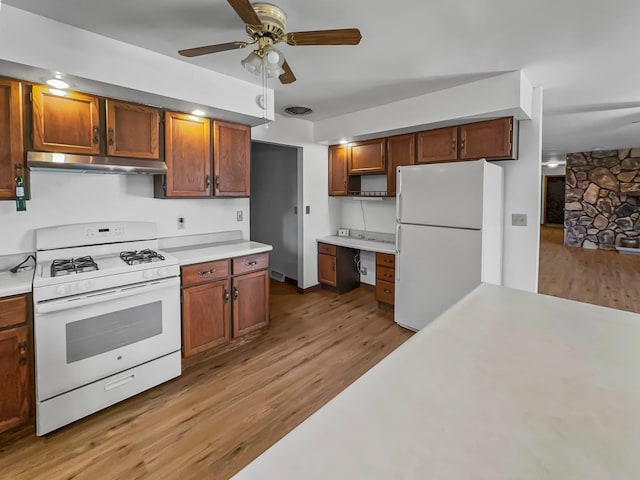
<point>207,272</point>
<point>207,180</point>
<point>226,296</point>
<point>235,293</point>
<point>251,264</point>
<point>96,135</point>
<point>386,290</point>
<point>453,144</point>
<point>462,144</point>
<point>22,351</point>
<point>217,182</point>
<point>111,135</point>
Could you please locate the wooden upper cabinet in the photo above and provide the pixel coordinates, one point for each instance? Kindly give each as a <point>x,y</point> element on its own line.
<point>439,145</point>
<point>491,139</point>
<point>11,144</point>
<point>65,124</point>
<point>367,157</point>
<point>188,155</point>
<point>231,159</point>
<point>401,151</point>
<point>132,130</point>
<point>206,312</point>
<point>250,302</point>
<point>338,170</point>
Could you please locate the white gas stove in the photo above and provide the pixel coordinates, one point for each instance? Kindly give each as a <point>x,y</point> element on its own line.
<point>106,317</point>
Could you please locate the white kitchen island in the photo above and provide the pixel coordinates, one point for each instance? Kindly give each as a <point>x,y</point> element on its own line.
<point>506,385</point>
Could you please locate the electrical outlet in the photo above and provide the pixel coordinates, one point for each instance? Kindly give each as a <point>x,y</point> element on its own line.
<point>307,209</point>
<point>239,215</point>
<point>363,270</point>
<point>519,219</point>
<point>180,223</point>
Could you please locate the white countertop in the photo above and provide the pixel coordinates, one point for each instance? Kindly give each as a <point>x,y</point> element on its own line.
<point>360,244</point>
<point>15,283</point>
<point>217,251</point>
<point>504,385</point>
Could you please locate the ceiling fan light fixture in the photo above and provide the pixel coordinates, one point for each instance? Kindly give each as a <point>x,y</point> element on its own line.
<point>253,63</point>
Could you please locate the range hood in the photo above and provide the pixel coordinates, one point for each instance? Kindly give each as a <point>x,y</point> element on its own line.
<point>42,161</point>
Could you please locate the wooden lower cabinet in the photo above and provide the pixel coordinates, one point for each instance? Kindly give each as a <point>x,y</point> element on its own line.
<point>327,269</point>
<point>337,267</point>
<point>16,386</point>
<point>250,302</point>
<point>206,312</point>
<point>385,278</point>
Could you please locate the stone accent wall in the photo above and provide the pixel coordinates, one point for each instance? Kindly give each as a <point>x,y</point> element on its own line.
<point>602,198</point>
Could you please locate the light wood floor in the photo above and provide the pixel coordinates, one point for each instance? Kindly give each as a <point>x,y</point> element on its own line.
<point>228,406</point>
<point>599,277</point>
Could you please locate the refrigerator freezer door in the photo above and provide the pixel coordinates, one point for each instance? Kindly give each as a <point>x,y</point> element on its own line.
<point>444,194</point>
<point>436,267</point>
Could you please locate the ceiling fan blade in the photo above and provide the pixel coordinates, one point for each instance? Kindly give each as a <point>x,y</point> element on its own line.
<point>221,47</point>
<point>287,76</point>
<point>245,11</point>
<point>343,36</point>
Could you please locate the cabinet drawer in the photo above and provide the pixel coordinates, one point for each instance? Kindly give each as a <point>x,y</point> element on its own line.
<point>386,260</point>
<point>250,263</point>
<point>13,311</point>
<point>327,249</point>
<point>385,273</point>
<point>204,272</point>
<point>385,291</point>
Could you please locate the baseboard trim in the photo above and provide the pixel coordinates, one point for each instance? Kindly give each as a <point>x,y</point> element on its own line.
<point>313,288</point>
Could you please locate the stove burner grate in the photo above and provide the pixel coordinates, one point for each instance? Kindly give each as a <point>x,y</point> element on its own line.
<point>142,256</point>
<point>73,265</point>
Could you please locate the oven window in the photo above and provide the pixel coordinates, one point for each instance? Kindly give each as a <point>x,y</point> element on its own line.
<point>93,336</point>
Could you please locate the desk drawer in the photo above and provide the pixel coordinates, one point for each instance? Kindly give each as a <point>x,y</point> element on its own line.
<point>13,311</point>
<point>204,272</point>
<point>385,273</point>
<point>386,260</point>
<point>327,249</point>
<point>250,263</point>
<point>385,291</point>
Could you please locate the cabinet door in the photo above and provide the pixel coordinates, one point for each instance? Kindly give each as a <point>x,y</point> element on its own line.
<point>439,145</point>
<point>231,159</point>
<point>401,151</point>
<point>338,170</point>
<point>11,147</point>
<point>205,316</point>
<point>250,302</point>
<point>132,130</point>
<point>367,157</point>
<point>65,124</point>
<point>14,377</point>
<point>490,139</point>
<point>327,269</point>
<point>188,155</point>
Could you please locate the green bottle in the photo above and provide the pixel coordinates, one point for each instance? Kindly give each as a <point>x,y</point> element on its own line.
<point>21,204</point>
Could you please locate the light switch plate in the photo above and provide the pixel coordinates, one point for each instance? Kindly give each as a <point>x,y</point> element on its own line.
<point>519,219</point>
<point>239,215</point>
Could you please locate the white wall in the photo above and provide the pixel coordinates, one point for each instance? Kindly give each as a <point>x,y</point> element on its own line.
<point>313,171</point>
<point>29,39</point>
<point>522,195</point>
<point>379,215</point>
<point>62,198</point>
<point>274,194</point>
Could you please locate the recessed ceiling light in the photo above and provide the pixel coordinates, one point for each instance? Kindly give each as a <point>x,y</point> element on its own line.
<point>552,165</point>
<point>60,93</point>
<point>597,149</point>
<point>57,83</point>
<point>297,110</point>
<point>199,113</point>
<point>343,142</point>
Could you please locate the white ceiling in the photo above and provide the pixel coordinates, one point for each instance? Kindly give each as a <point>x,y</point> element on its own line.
<point>583,52</point>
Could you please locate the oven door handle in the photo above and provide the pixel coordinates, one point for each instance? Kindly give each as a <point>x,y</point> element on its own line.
<point>104,296</point>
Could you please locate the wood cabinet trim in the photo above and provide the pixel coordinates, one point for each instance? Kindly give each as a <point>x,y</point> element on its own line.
<point>377,165</point>
<point>111,107</point>
<point>204,272</point>
<point>401,151</point>
<point>261,309</point>
<point>232,176</point>
<point>14,132</point>
<point>250,263</point>
<point>13,311</point>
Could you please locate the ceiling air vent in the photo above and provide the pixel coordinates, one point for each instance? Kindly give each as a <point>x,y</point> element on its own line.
<point>297,110</point>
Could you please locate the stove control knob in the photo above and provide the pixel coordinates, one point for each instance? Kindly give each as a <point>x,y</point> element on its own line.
<point>62,289</point>
<point>162,272</point>
<point>83,286</point>
<point>147,274</point>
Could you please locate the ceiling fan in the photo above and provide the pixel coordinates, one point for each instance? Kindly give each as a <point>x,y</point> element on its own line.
<point>265,25</point>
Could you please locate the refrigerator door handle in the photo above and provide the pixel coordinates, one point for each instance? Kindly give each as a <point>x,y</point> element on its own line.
<point>398,252</point>
<point>398,195</point>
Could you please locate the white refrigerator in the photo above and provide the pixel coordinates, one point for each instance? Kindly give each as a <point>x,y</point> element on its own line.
<point>448,236</point>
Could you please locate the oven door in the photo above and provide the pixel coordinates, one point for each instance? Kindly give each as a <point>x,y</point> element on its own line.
<point>82,339</point>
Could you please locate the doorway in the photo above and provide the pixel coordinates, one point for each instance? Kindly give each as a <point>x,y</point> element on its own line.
<point>554,200</point>
<point>274,206</point>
